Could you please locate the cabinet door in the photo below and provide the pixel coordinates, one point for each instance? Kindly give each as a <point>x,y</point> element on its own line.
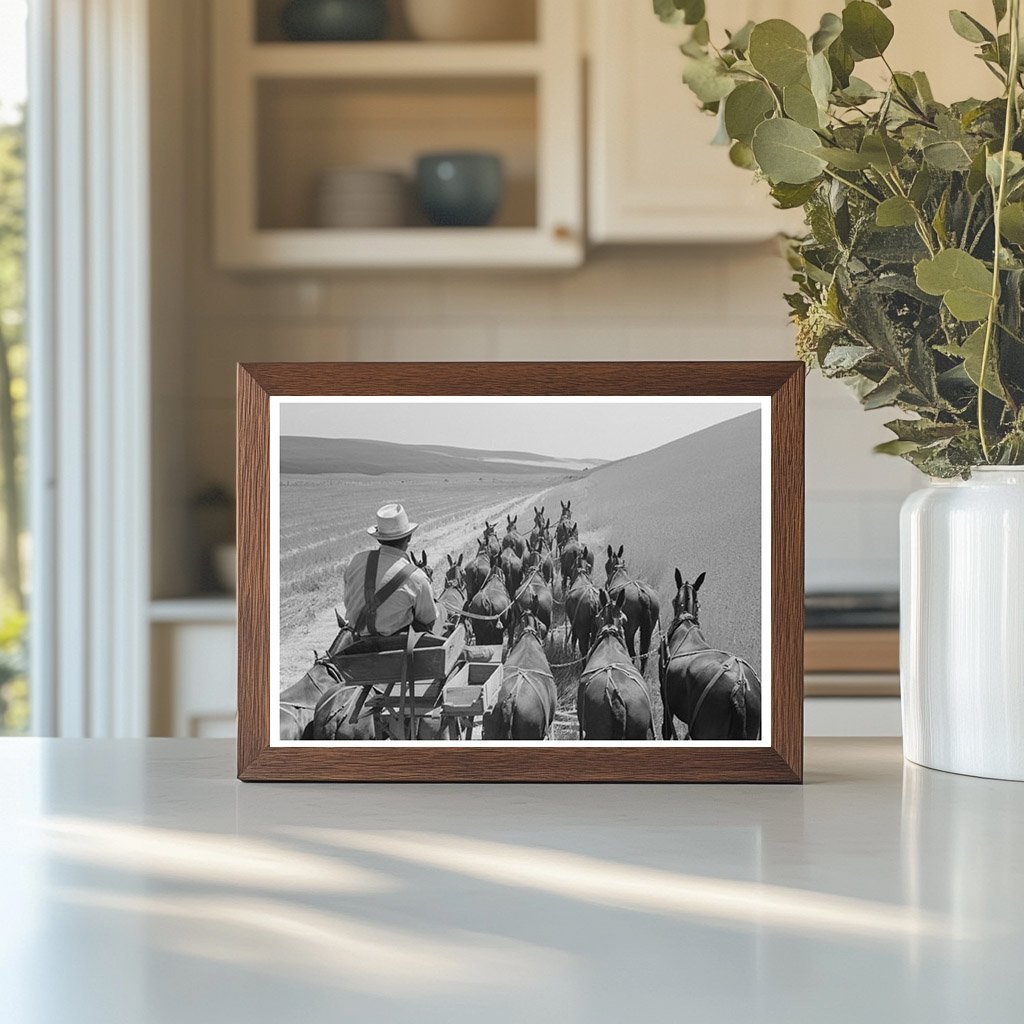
<point>654,176</point>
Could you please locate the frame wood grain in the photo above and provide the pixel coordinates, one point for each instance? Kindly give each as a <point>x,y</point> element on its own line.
<point>783,382</point>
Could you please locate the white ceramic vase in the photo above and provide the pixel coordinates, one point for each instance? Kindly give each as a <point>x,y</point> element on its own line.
<point>962,624</point>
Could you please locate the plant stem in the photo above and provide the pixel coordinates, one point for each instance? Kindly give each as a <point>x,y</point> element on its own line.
<point>993,309</point>
<point>849,184</point>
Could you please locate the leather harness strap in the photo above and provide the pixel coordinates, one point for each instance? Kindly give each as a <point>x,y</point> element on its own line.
<point>373,598</point>
<point>726,665</point>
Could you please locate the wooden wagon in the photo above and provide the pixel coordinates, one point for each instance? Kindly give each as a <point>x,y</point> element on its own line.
<point>436,689</point>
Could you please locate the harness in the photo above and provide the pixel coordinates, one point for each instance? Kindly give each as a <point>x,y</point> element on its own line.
<point>731,661</point>
<point>626,667</point>
<point>530,676</point>
<point>372,598</point>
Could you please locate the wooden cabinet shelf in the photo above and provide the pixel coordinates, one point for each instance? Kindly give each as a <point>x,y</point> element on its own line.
<point>392,60</point>
<point>286,114</point>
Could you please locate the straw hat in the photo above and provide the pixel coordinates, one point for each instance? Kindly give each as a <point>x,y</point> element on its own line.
<point>392,523</point>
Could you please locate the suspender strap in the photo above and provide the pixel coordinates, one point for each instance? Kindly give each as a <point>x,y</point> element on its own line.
<point>372,598</point>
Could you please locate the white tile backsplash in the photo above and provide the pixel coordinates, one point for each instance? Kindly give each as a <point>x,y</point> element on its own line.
<point>717,302</point>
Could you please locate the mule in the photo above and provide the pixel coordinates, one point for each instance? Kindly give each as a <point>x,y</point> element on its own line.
<point>582,609</point>
<point>478,569</point>
<point>492,602</point>
<point>513,538</point>
<point>564,525</point>
<point>422,564</point>
<point>540,556</point>
<point>640,606</point>
<point>490,538</point>
<point>454,595</point>
<point>570,553</point>
<point>717,694</point>
<point>534,594</point>
<point>540,528</point>
<point>512,567</point>
<point>299,702</point>
<point>524,708</point>
<point>612,702</point>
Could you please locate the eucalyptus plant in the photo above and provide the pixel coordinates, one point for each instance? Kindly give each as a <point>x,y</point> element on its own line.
<point>909,280</point>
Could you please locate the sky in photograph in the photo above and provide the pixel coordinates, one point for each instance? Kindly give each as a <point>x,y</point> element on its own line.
<point>580,430</point>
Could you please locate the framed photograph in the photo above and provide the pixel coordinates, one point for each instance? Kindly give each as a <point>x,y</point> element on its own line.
<point>512,572</point>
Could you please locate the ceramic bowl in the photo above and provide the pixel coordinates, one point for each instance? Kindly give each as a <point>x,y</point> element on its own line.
<point>460,189</point>
<point>361,198</point>
<point>334,20</point>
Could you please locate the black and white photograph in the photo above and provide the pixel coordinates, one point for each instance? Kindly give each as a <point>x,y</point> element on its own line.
<point>500,570</point>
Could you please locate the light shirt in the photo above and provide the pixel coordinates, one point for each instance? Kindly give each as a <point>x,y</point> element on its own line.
<point>414,599</point>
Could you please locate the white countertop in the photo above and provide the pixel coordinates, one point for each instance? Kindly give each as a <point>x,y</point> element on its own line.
<point>143,884</point>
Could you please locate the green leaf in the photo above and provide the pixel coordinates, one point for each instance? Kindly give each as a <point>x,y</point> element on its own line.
<point>739,41</point>
<point>971,352</point>
<point>963,281</point>
<point>800,105</point>
<point>708,80</point>
<point>866,29</point>
<point>741,155</point>
<point>745,108</point>
<point>924,87</point>
<point>820,76</point>
<point>921,185</point>
<point>676,12</point>
<point>883,153</point>
<point>887,393</point>
<point>896,447</point>
<point>841,60</point>
<point>778,50</point>
<point>896,212</point>
<point>789,197</point>
<point>858,91</point>
<point>785,152</point>
<point>1014,169</point>
<point>976,174</point>
<point>947,156</point>
<point>830,29</point>
<point>969,28</point>
<point>844,159</point>
<point>1012,226</point>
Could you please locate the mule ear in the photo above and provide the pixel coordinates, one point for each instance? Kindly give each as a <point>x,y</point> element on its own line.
<point>621,599</point>
<point>611,553</point>
<point>679,580</point>
<point>622,547</point>
<point>698,581</point>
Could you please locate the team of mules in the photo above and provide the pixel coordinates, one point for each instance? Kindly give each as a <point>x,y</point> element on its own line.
<point>504,592</point>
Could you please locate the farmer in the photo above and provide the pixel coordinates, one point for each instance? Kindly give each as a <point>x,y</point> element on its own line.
<point>385,592</point>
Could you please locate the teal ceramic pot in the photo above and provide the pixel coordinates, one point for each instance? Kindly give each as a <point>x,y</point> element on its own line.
<point>333,21</point>
<point>461,190</point>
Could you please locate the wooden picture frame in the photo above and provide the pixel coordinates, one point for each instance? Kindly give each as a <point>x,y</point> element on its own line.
<point>779,759</point>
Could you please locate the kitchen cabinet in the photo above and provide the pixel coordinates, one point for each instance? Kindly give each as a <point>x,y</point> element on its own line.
<point>653,175</point>
<point>287,113</point>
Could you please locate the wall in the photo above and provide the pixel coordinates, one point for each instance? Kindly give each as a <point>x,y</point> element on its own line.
<point>664,303</point>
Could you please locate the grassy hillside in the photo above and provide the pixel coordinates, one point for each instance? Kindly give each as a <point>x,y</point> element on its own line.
<point>695,504</point>
<point>306,455</point>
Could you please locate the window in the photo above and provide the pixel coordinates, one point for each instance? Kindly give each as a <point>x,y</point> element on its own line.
<point>14,547</point>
